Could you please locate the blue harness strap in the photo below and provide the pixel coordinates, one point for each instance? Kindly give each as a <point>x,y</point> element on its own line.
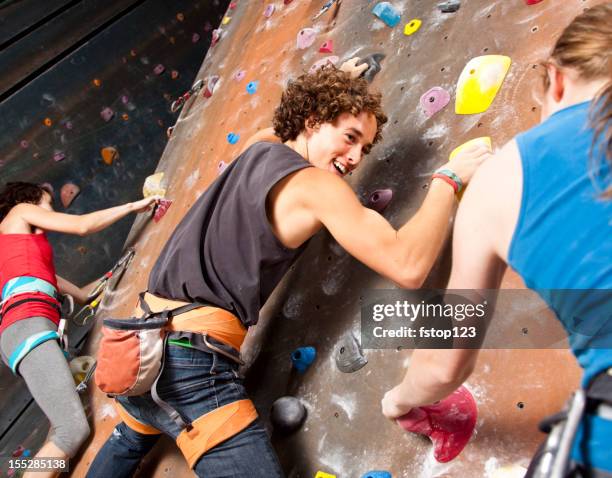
<point>27,284</point>
<point>29,344</point>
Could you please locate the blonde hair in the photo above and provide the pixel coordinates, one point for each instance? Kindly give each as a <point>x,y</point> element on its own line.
<point>585,46</point>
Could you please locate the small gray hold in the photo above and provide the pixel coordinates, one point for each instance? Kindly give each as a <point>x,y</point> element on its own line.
<point>373,62</point>
<point>349,357</point>
<point>287,414</point>
<point>449,6</point>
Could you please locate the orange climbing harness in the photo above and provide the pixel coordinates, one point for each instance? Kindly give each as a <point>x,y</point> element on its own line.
<point>212,329</point>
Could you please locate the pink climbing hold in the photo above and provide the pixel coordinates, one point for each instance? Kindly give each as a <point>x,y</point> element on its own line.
<point>221,167</point>
<point>216,36</point>
<point>233,5</point>
<point>24,144</point>
<point>159,69</point>
<point>327,47</point>
<point>306,38</point>
<point>269,10</point>
<point>195,38</point>
<point>125,99</point>
<point>434,100</point>
<point>161,208</point>
<point>68,192</point>
<point>532,2</point>
<point>328,60</point>
<point>449,423</point>
<point>58,156</point>
<point>380,199</point>
<point>239,75</point>
<point>107,114</point>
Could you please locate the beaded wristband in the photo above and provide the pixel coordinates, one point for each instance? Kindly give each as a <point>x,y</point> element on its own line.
<point>449,174</point>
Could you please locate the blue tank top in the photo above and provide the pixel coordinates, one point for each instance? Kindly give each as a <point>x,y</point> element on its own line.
<point>562,247</point>
<point>562,244</point>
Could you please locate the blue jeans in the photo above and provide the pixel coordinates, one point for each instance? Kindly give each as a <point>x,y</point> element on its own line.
<point>193,383</point>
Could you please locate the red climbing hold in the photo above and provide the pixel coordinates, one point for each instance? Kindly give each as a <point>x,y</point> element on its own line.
<point>210,86</point>
<point>233,5</point>
<point>380,199</point>
<point>532,2</point>
<point>68,192</point>
<point>327,47</point>
<point>161,209</point>
<point>449,423</point>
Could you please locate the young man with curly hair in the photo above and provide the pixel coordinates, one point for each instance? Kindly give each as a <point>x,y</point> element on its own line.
<point>234,246</point>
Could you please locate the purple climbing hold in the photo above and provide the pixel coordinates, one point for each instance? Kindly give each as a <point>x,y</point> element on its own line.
<point>24,144</point>
<point>195,38</point>
<point>328,60</point>
<point>380,199</point>
<point>434,100</point>
<point>68,125</point>
<point>239,75</point>
<point>106,113</point>
<point>125,99</point>
<point>269,11</point>
<point>306,37</point>
<point>159,69</point>
<point>221,167</point>
<point>58,156</point>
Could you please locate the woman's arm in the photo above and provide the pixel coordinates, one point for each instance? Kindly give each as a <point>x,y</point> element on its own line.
<point>79,294</point>
<point>80,225</point>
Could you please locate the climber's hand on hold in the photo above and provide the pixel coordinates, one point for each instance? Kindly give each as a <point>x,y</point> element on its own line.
<point>392,406</point>
<point>349,66</point>
<point>466,162</point>
<point>145,204</point>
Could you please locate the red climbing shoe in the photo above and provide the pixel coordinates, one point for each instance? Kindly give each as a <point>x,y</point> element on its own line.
<point>449,423</point>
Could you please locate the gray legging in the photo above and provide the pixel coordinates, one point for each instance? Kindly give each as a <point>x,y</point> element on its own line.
<point>47,375</point>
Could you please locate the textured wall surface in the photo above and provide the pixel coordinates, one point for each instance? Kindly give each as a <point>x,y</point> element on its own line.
<point>318,302</point>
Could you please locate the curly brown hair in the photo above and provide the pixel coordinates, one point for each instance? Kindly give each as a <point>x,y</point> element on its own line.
<point>20,192</point>
<point>321,97</point>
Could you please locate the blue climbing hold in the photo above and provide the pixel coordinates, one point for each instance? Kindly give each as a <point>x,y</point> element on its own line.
<point>377,474</point>
<point>252,87</point>
<point>303,357</point>
<point>387,13</point>
<point>233,138</point>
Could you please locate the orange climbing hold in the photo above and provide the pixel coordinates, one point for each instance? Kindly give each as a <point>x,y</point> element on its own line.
<point>96,82</point>
<point>47,122</point>
<point>109,155</point>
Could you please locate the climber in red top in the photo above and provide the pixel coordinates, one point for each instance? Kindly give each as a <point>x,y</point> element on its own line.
<point>30,309</point>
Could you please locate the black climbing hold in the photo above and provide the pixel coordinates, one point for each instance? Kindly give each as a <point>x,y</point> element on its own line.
<point>287,414</point>
<point>349,357</point>
<point>373,62</point>
<point>449,6</point>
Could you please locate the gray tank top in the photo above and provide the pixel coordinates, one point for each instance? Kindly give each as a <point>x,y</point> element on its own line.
<point>224,252</point>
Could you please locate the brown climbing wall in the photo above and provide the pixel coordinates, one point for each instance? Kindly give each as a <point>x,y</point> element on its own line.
<point>345,433</point>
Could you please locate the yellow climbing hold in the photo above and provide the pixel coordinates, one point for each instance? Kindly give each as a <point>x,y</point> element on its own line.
<point>109,155</point>
<point>412,26</point>
<point>479,82</point>
<point>225,20</point>
<point>483,140</point>
<point>153,186</point>
<point>322,474</point>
